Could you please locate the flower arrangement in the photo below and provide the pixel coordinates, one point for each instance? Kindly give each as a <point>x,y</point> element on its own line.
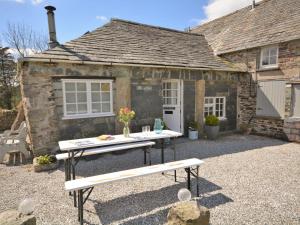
<point>125,116</point>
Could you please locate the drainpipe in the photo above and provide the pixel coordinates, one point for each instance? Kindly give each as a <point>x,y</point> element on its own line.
<point>51,25</point>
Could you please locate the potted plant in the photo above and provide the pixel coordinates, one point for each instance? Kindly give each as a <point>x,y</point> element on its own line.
<point>193,130</point>
<point>212,126</point>
<point>44,163</point>
<point>125,116</point>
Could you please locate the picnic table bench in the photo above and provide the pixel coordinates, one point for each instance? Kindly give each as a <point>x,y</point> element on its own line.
<point>86,185</point>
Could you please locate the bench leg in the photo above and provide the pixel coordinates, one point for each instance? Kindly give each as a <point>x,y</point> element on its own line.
<point>80,206</point>
<point>197,179</point>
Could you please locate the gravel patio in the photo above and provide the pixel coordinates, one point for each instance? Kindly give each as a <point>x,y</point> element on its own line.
<point>244,180</point>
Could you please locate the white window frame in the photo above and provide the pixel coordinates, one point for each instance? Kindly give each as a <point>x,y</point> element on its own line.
<point>89,113</point>
<point>268,48</point>
<point>214,106</point>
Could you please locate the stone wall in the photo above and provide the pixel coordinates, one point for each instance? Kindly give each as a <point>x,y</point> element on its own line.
<point>288,69</point>
<point>226,89</point>
<point>7,118</point>
<point>136,87</point>
<point>292,129</point>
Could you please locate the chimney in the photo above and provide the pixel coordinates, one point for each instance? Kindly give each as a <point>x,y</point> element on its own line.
<point>51,25</point>
<point>253,4</point>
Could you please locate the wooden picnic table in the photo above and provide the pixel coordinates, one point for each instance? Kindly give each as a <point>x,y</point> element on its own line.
<point>78,145</point>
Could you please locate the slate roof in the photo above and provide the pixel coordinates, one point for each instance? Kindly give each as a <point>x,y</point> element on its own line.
<point>126,42</point>
<point>270,22</point>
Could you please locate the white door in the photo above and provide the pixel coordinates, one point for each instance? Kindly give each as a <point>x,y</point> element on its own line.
<point>172,104</point>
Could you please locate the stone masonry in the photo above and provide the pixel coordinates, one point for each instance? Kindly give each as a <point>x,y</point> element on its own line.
<point>136,87</point>
<point>288,69</point>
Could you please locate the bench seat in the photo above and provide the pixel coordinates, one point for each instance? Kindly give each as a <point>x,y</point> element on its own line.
<point>95,151</point>
<point>88,182</point>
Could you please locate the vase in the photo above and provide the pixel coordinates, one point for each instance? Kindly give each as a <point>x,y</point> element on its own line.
<point>126,130</point>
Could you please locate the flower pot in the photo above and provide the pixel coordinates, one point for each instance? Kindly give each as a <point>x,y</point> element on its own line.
<point>40,168</point>
<point>212,132</point>
<point>193,134</point>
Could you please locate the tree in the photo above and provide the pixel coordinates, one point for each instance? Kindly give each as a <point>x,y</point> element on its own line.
<point>24,40</point>
<point>8,78</point>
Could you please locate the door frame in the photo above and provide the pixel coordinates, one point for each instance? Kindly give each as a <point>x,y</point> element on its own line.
<point>181,102</point>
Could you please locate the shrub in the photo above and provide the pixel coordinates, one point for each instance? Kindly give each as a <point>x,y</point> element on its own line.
<point>193,125</point>
<point>212,120</point>
<point>45,159</point>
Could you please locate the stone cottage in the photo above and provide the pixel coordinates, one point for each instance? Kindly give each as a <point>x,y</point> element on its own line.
<point>264,39</point>
<point>75,89</point>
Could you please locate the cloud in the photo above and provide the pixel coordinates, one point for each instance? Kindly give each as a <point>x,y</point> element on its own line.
<point>218,8</point>
<point>102,18</point>
<point>36,2</point>
<point>19,1</point>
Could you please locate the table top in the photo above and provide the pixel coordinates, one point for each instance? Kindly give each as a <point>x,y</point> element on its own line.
<point>77,144</point>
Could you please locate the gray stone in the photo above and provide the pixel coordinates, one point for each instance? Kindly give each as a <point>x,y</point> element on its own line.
<point>13,217</point>
<point>188,213</point>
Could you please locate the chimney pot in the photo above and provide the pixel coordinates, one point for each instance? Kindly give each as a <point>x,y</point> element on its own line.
<point>51,26</point>
<point>253,4</point>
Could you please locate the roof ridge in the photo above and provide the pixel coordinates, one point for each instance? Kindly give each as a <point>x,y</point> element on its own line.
<point>227,15</point>
<point>153,26</point>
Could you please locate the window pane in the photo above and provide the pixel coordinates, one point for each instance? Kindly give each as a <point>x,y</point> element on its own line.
<point>71,109</point>
<point>69,86</point>
<point>105,87</point>
<point>81,86</point>
<point>265,53</point>
<point>82,108</point>
<point>173,85</point>
<point>265,61</point>
<point>70,98</point>
<point>96,97</point>
<point>95,86</point>
<point>96,107</point>
<point>273,52</point>
<point>81,97</point>
<point>273,60</point>
<point>105,107</point>
<point>105,97</point>
<point>174,101</point>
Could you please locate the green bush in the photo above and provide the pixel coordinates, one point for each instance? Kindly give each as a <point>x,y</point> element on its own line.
<point>193,125</point>
<point>45,159</point>
<point>212,120</point>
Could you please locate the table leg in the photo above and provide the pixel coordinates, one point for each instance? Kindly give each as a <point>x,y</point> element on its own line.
<point>73,176</point>
<point>162,151</point>
<point>174,151</point>
<point>188,171</point>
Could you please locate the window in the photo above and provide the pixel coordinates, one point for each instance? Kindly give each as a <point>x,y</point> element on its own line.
<point>269,57</point>
<point>271,98</point>
<point>87,98</point>
<point>215,106</point>
<point>170,93</point>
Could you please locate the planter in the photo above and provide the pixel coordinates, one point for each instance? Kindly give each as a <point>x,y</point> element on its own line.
<point>193,134</point>
<point>212,132</point>
<point>39,168</point>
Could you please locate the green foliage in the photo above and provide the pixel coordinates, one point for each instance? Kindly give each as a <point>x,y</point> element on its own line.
<point>212,120</point>
<point>193,125</point>
<point>164,126</point>
<point>45,159</point>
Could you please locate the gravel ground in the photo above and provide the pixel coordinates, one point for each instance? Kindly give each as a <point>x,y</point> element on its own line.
<point>244,180</point>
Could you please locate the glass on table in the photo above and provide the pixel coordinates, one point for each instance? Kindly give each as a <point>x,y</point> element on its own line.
<point>148,129</point>
<point>144,129</point>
